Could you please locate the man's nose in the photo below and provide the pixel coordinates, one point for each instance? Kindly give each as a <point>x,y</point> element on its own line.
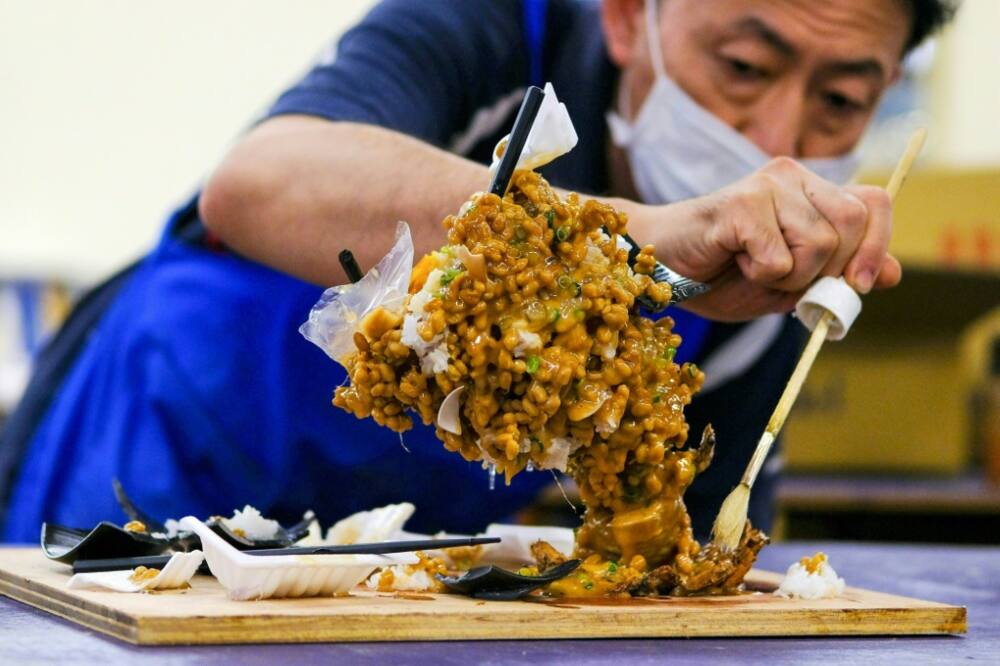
<point>775,122</point>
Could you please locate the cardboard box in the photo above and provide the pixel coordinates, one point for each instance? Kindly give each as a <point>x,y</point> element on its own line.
<point>875,407</point>
<point>893,396</point>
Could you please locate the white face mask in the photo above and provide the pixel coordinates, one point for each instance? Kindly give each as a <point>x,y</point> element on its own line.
<point>678,150</point>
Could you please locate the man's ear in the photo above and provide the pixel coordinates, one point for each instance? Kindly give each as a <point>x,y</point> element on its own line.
<point>623,21</point>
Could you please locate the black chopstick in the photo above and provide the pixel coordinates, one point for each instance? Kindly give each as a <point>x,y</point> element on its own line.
<point>376,548</point>
<point>159,561</point>
<point>522,127</point>
<point>350,265</point>
<point>116,563</point>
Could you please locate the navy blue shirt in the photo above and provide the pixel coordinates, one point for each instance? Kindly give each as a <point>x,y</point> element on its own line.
<point>453,74</point>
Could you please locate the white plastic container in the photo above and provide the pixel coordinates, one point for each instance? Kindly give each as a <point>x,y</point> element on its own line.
<point>381,524</point>
<point>517,541</point>
<point>262,576</point>
<point>180,568</point>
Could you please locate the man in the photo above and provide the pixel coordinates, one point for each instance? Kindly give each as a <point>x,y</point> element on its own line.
<point>187,380</point>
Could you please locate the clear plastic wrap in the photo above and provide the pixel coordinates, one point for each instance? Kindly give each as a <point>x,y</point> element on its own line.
<point>341,309</point>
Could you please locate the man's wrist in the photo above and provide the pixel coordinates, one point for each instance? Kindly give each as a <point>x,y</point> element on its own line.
<point>678,232</point>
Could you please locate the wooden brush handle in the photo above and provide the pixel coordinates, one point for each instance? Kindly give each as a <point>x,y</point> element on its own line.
<point>913,147</point>
<point>788,396</point>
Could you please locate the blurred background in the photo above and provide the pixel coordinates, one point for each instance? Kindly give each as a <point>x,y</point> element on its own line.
<point>114,111</point>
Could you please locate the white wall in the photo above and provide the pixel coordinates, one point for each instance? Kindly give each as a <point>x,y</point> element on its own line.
<point>966,99</point>
<point>111,111</point>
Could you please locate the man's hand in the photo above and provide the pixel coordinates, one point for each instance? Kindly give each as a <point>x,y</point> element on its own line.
<point>763,240</point>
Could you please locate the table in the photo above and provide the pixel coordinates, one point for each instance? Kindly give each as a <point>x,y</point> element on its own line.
<point>964,509</point>
<point>966,575</point>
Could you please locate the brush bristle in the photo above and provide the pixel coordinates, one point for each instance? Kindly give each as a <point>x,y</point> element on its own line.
<point>732,518</point>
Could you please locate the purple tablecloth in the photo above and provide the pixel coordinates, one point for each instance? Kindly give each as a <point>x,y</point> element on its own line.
<point>968,576</point>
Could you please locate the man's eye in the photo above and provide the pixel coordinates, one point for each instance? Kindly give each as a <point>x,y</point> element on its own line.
<point>841,103</point>
<point>744,69</point>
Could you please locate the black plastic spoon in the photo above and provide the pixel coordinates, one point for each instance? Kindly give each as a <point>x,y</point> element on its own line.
<point>496,584</point>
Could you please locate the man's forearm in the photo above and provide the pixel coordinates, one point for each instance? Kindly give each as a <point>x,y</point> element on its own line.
<point>297,190</point>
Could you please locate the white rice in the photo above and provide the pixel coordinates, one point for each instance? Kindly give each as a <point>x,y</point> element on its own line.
<point>557,453</point>
<point>433,354</point>
<point>608,351</point>
<point>252,524</point>
<point>526,342</point>
<point>605,427</point>
<point>800,584</point>
<point>418,581</point>
<point>173,527</point>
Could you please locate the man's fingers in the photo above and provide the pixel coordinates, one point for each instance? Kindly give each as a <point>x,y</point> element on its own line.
<point>868,260</point>
<point>890,274</point>
<point>751,233</point>
<point>784,227</point>
<point>821,222</point>
<point>846,213</point>
<point>849,225</point>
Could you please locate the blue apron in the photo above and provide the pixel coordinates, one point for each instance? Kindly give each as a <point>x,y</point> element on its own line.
<point>195,389</point>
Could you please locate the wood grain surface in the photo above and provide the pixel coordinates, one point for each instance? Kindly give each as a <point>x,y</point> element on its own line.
<point>203,614</point>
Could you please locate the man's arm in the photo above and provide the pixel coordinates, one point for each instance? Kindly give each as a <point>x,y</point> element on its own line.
<point>297,190</point>
<point>351,147</point>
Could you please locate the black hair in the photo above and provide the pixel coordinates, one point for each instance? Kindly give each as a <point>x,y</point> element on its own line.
<point>928,16</point>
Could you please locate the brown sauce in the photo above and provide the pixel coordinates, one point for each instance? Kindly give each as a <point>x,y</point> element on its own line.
<point>534,304</point>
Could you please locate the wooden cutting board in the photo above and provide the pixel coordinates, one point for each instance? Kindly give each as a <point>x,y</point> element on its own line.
<point>203,614</point>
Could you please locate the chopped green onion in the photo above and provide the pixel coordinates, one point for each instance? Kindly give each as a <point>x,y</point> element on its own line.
<point>612,567</point>
<point>519,233</point>
<point>670,353</point>
<point>450,275</point>
<point>562,233</point>
<point>579,313</point>
<point>550,215</point>
<point>657,398</point>
<point>554,315</point>
<point>692,370</point>
<point>532,364</point>
<point>587,584</point>
<point>564,281</point>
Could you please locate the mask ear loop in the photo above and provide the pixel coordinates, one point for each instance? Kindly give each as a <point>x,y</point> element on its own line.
<point>655,56</point>
<point>653,37</point>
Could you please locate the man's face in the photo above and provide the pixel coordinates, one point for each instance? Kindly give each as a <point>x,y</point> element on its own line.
<point>797,77</point>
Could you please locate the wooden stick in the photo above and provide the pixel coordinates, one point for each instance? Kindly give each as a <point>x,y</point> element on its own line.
<point>913,149</point>
<point>732,516</point>
<point>788,397</point>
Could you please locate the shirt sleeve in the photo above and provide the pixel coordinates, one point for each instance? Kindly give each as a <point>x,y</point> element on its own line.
<point>421,67</point>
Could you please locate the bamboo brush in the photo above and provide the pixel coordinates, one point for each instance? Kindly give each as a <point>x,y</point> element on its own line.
<point>729,524</point>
